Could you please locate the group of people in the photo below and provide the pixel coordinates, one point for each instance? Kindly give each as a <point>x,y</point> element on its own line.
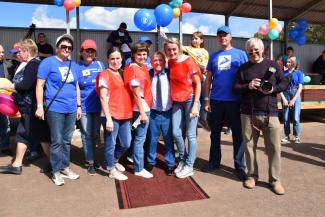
<point>135,105</point>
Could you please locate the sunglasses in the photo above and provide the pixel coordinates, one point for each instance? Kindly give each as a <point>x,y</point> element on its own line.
<point>64,47</point>
<point>253,52</point>
<point>90,50</point>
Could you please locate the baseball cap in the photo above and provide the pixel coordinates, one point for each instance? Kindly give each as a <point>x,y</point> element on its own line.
<point>15,48</point>
<point>61,37</point>
<point>89,44</point>
<point>144,39</point>
<point>224,29</point>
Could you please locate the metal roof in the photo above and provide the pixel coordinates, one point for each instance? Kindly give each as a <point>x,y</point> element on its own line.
<point>312,10</point>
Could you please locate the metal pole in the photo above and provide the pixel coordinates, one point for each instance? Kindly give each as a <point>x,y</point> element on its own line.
<point>68,21</point>
<point>271,41</point>
<point>180,29</point>
<point>78,37</point>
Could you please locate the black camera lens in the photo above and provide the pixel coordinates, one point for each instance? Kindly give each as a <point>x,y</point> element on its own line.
<point>266,86</point>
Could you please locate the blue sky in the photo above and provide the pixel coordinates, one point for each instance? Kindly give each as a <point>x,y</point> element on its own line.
<point>51,16</point>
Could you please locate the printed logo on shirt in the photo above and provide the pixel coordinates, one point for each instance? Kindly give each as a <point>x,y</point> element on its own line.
<point>86,73</point>
<point>64,73</point>
<point>224,62</point>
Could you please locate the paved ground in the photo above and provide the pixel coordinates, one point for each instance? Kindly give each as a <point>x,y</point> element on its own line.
<point>303,175</point>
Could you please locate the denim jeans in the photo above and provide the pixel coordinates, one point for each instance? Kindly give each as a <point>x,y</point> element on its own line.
<point>4,131</point>
<point>182,120</point>
<point>219,111</point>
<point>61,127</point>
<point>138,141</point>
<point>289,94</point>
<point>122,130</point>
<point>89,128</point>
<point>161,121</point>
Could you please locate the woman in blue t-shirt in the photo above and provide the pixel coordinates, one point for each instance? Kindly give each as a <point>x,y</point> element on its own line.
<point>90,103</point>
<point>57,81</point>
<point>291,100</point>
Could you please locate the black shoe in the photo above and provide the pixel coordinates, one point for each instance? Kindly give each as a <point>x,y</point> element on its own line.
<point>149,167</point>
<point>7,152</point>
<point>209,168</point>
<point>170,171</point>
<point>46,169</point>
<point>91,170</point>
<point>11,169</point>
<point>96,164</point>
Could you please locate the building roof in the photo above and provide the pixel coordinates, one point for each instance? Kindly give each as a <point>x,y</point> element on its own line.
<point>312,10</point>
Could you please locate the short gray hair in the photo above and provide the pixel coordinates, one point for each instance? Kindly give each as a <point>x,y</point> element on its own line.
<point>254,42</point>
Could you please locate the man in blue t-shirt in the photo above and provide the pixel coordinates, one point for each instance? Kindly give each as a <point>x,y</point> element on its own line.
<point>221,102</point>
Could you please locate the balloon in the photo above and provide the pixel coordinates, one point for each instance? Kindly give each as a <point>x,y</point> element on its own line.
<point>176,12</point>
<point>273,22</point>
<point>302,24</point>
<point>278,28</point>
<point>58,2</point>
<point>307,79</point>
<point>77,3</point>
<point>301,40</point>
<point>164,15</point>
<point>293,33</point>
<point>5,81</point>
<point>69,5</point>
<point>273,34</point>
<point>186,7</point>
<point>173,4</point>
<point>145,20</point>
<point>264,29</point>
<point>7,105</point>
<point>178,2</point>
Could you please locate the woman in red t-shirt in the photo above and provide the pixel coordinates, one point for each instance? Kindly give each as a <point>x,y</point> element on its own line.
<point>116,113</point>
<point>185,84</point>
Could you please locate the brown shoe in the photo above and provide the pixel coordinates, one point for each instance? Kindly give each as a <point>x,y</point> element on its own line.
<point>278,189</point>
<point>249,183</point>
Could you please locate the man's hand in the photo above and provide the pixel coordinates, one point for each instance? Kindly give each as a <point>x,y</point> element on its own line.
<point>254,84</point>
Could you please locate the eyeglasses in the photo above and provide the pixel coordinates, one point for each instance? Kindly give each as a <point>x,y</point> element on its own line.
<point>253,52</point>
<point>90,50</point>
<point>64,47</point>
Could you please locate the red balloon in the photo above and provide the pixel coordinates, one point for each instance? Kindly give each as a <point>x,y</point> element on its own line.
<point>186,7</point>
<point>69,5</point>
<point>7,105</point>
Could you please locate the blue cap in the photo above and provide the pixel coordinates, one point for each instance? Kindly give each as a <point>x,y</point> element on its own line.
<point>144,39</point>
<point>13,51</point>
<point>224,29</point>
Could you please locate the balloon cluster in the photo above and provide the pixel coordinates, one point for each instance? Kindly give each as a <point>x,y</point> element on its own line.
<point>297,34</point>
<point>68,4</point>
<point>163,15</point>
<point>272,30</point>
<point>7,104</point>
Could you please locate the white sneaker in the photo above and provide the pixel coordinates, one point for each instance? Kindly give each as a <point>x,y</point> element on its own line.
<point>185,172</point>
<point>115,174</point>
<point>129,159</point>
<point>57,179</point>
<point>297,140</point>
<point>286,139</point>
<point>144,173</point>
<point>179,167</point>
<point>119,167</point>
<point>69,174</point>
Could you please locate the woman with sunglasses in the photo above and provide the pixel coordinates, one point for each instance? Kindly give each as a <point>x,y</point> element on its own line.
<point>56,89</point>
<point>117,113</point>
<point>89,68</point>
<point>185,84</point>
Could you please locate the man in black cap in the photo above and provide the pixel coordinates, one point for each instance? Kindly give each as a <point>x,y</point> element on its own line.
<point>121,38</point>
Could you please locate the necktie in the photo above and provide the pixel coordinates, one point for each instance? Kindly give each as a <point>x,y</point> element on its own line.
<point>158,93</point>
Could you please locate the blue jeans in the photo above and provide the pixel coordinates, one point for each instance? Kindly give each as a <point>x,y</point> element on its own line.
<point>289,94</point>
<point>161,121</point>
<point>231,110</point>
<point>4,131</point>
<point>61,127</point>
<point>122,130</point>
<point>89,128</point>
<point>138,141</point>
<point>182,120</point>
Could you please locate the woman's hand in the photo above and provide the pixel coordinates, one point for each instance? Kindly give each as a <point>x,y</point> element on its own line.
<point>79,112</point>
<point>144,118</point>
<point>39,113</point>
<point>109,125</point>
<point>194,111</point>
<point>285,102</point>
<point>292,103</point>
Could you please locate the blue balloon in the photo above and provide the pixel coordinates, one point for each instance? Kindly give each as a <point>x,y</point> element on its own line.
<point>273,34</point>
<point>302,24</point>
<point>58,2</point>
<point>294,33</point>
<point>301,40</point>
<point>164,15</point>
<point>145,19</point>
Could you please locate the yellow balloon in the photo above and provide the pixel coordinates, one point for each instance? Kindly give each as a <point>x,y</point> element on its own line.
<point>5,81</point>
<point>273,23</point>
<point>77,3</point>
<point>177,12</point>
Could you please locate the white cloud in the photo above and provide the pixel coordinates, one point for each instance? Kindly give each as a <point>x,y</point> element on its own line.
<point>110,19</point>
<point>212,18</point>
<point>41,19</point>
<point>189,28</point>
<point>244,34</point>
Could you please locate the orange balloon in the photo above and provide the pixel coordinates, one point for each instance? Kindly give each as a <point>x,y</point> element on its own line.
<point>5,81</point>
<point>273,23</point>
<point>77,3</point>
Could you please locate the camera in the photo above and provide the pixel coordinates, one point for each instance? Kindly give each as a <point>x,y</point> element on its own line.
<point>266,85</point>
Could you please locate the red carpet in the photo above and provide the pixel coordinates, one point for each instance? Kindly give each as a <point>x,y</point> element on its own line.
<point>161,189</point>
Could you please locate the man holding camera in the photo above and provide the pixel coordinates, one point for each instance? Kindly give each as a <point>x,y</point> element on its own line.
<point>258,81</point>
